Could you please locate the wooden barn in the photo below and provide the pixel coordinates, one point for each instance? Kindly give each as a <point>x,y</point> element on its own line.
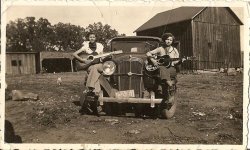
<point>22,63</point>
<point>211,34</point>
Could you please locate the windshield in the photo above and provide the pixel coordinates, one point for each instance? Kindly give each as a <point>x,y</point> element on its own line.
<point>134,46</point>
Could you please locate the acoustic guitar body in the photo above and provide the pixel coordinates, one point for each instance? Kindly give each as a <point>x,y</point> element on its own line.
<point>164,61</point>
<point>95,58</point>
<point>80,65</point>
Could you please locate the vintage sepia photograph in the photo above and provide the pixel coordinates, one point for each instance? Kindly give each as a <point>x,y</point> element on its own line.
<point>125,74</point>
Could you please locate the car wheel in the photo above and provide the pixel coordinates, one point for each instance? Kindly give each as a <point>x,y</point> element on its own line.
<point>170,107</point>
<point>170,110</point>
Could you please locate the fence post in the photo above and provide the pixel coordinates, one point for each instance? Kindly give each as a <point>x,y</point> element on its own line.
<point>71,64</point>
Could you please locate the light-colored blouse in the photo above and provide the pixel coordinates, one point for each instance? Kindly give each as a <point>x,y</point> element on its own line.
<point>85,48</point>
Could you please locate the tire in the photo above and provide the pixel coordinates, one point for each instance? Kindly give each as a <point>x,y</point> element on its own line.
<point>169,108</point>
<point>169,112</point>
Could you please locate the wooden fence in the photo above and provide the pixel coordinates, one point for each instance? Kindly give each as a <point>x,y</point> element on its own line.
<point>202,65</point>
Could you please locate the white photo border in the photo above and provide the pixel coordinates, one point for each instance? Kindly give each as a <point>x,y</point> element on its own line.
<point>5,4</point>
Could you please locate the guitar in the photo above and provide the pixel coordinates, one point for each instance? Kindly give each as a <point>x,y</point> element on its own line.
<point>164,61</point>
<point>94,58</point>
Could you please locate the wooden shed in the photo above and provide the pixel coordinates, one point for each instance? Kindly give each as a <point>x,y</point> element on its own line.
<point>22,63</point>
<point>211,34</point>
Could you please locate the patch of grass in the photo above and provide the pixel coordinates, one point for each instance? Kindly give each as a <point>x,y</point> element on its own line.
<point>51,116</point>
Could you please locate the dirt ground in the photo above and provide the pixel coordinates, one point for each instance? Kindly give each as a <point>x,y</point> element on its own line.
<point>209,111</point>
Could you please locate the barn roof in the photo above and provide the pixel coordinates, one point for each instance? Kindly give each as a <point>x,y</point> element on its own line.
<point>174,16</point>
<point>55,54</point>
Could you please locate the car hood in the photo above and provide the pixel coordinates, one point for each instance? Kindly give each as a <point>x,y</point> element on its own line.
<point>121,57</point>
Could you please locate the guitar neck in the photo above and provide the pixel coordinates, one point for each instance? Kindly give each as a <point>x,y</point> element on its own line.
<point>107,54</point>
<point>187,58</point>
<point>102,55</point>
<point>173,59</point>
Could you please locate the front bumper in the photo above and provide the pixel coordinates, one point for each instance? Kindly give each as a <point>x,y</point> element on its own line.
<point>111,92</point>
<point>152,100</point>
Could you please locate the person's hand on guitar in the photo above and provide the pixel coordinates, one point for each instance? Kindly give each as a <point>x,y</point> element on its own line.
<point>96,61</point>
<point>103,59</point>
<point>86,61</point>
<point>183,59</point>
<point>154,61</point>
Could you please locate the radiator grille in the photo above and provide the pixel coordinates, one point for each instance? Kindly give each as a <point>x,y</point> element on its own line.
<point>130,82</point>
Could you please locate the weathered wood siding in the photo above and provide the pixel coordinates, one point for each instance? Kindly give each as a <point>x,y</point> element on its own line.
<point>217,15</point>
<point>27,66</point>
<point>216,38</point>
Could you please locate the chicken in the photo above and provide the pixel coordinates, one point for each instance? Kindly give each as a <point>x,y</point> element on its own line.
<point>59,80</point>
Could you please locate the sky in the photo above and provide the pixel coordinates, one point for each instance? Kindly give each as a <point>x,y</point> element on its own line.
<point>125,19</point>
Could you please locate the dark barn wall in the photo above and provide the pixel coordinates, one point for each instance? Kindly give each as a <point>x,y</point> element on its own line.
<point>151,32</point>
<point>182,32</point>
<point>216,38</point>
<point>27,64</point>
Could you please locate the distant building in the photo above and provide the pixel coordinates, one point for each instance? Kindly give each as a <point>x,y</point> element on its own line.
<point>37,62</point>
<point>53,61</point>
<point>211,34</point>
<point>22,63</point>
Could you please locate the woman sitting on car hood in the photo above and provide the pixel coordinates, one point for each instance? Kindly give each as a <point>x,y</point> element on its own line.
<point>165,49</point>
<point>93,48</point>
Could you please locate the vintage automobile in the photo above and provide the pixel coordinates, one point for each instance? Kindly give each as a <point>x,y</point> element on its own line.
<point>130,83</point>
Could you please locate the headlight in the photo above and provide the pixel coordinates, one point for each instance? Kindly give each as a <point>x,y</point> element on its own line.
<point>108,67</point>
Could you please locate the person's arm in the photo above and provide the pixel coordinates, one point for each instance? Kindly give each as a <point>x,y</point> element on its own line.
<point>76,55</point>
<point>155,51</point>
<point>151,53</point>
